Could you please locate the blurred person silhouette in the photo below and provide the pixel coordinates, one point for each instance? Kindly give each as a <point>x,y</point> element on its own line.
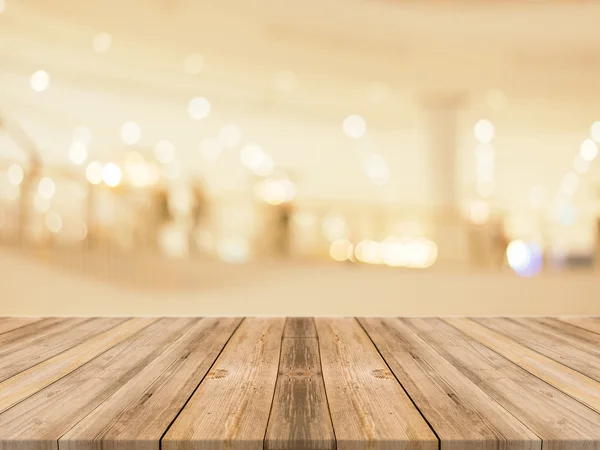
<point>199,212</point>
<point>283,239</point>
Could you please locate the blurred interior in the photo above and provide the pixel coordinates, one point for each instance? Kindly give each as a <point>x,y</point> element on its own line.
<point>177,145</point>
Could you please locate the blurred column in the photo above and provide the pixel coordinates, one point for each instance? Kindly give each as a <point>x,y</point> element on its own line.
<point>439,137</point>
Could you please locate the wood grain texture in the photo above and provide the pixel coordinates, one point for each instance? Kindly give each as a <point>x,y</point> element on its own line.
<point>300,327</point>
<point>549,343</point>
<point>32,380</point>
<point>574,335</point>
<point>300,415</point>
<point>12,323</point>
<point>560,421</point>
<point>16,357</point>
<point>369,409</point>
<point>38,422</point>
<point>587,323</point>
<point>23,335</point>
<point>230,409</point>
<point>564,378</point>
<point>463,416</point>
<point>137,415</point>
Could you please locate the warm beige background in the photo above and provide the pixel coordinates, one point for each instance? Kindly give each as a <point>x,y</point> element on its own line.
<point>31,289</point>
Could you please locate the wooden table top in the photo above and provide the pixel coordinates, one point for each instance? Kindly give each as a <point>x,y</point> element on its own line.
<point>299,384</point>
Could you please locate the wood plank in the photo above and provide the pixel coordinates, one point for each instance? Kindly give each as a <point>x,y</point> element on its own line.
<point>15,358</point>
<point>300,416</point>
<point>369,409</point>
<point>230,409</point>
<point>587,323</point>
<point>30,381</point>
<point>569,381</point>
<point>137,415</point>
<point>38,422</point>
<point>463,416</point>
<point>300,327</point>
<point>560,421</point>
<point>23,335</point>
<point>12,323</point>
<point>584,339</point>
<point>546,342</point>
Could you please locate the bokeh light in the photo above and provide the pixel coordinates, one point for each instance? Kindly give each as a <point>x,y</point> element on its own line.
<point>39,81</point>
<point>484,131</point>
<point>354,126</point>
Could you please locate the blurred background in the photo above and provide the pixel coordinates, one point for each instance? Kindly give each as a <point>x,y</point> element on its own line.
<point>177,145</point>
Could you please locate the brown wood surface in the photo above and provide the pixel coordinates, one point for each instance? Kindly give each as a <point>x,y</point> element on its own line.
<point>548,342</point>
<point>299,384</point>
<point>230,409</point>
<point>300,415</point>
<point>560,421</point>
<point>463,416</point>
<point>587,323</point>
<point>300,327</point>
<point>369,409</point>
<point>38,422</point>
<point>558,375</point>
<point>34,379</point>
<point>17,357</point>
<point>12,323</point>
<point>138,414</point>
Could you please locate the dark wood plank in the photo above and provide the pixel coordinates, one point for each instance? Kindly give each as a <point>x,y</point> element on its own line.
<point>560,421</point>
<point>463,416</point>
<point>137,415</point>
<point>299,416</point>
<point>569,381</point>
<point>548,343</point>
<point>34,379</point>
<point>12,323</point>
<point>230,409</point>
<point>300,327</point>
<point>369,409</point>
<point>38,422</point>
<point>16,357</point>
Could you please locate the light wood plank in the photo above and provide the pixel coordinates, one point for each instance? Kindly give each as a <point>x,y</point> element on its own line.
<point>560,421</point>
<point>15,358</point>
<point>35,378</point>
<point>300,416</point>
<point>369,409</point>
<point>137,415</point>
<point>581,338</point>
<point>12,323</point>
<point>558,375</point>
<point>38,422</point>
<point>546,342</point>
<point>463,416</point>
<point>587,323</point>
<point>300,327</point>
<point>230,409</point>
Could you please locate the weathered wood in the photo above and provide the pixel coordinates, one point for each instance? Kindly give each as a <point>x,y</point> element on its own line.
<point>463,416</point>
<point>137,415</point>
<point>574,335</point>
<point>587,323</point>
<point>38,422</point>
<point>32,380</point>
<point>230,409</point>
<point>12,323</point>
<point>300,416</point>
<point>548,343</point>
<point>567,380</point>
<point>560,421</point>
<point>369,409</point>
<point>300,327</point>
<point>16,357</point>
<point>23,335</point>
